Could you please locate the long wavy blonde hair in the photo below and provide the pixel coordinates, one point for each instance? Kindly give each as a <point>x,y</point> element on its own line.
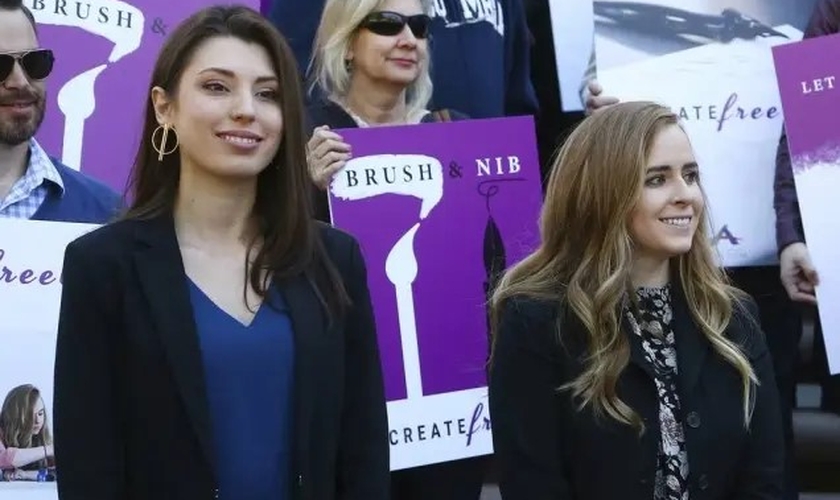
<point>17,419</point>
<point>339,25</point>
<point>583,263</point>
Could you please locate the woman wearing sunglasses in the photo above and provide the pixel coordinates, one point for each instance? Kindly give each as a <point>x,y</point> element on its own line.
<point>370,68</point>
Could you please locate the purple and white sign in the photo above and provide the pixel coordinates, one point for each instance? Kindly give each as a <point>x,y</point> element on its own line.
<point>31,260</point>
<point>439,211</point>
<point>809,83</point>
<point>711,62</point>
<point>105,51</point>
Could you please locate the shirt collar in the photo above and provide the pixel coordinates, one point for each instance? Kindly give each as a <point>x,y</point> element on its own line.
<point>41,167</point>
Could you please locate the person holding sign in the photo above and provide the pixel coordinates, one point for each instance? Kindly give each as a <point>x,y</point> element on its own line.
<point>217,342</point>
<point>34,185</point>
<point>624,365</point>
<point>798,274</point>
<point>371,64</point>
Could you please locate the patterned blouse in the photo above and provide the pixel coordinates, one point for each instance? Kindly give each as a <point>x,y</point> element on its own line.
<point>654,330</point>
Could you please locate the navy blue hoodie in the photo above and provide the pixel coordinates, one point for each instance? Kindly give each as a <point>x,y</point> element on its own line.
<point>480,52</point>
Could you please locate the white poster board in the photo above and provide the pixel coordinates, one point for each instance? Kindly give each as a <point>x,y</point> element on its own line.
<point>722,83</point>
<point>31,260</point>
<point>818,186</point>
<point>807,82</point>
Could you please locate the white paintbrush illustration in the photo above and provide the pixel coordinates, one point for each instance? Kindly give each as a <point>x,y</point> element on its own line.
<point>77,98</point>
<point>419,176</point>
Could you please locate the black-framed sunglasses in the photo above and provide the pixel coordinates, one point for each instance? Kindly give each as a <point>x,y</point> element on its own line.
<point>37,64</point>
<point>387,23</point>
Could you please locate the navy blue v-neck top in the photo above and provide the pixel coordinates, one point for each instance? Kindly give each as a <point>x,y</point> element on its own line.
<point>249,379</point>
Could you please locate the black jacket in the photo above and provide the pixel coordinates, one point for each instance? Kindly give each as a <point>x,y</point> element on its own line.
<point>548,450</point>
<point>131,412</point>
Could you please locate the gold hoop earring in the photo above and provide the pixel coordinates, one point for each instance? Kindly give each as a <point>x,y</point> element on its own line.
<point>161,149</point>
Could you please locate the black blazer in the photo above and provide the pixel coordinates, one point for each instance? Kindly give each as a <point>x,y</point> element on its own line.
<point>548,450</point>
<point>131,414</point>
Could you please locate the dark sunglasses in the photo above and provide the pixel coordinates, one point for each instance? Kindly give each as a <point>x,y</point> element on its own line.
<point>37,64</point>
<point>392,23</point>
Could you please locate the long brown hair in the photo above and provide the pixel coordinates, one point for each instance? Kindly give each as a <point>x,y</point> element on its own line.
<point>17,419</point>
<point>583,263</point>
<point>290,243</point>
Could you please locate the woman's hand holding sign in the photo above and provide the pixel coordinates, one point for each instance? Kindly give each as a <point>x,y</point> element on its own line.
<point>326,154</point>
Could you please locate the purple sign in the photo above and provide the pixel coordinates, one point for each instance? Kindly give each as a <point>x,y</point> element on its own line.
<point>810,94</point>
<point>809,84</point>
<point>105,50</point>
<point>439,210</point>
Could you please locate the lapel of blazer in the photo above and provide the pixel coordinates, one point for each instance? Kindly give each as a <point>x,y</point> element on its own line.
<point>310,327</point>
<point>160,270</point>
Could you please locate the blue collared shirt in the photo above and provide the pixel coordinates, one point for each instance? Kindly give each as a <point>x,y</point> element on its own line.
<point>29,192</point>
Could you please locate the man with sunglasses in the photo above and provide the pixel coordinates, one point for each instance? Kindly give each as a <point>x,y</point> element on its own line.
<point>34,185</point>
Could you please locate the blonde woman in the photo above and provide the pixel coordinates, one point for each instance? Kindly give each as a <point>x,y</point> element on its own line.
<point>370,68</point>
<point>624,365</point>
<point>26,447</point>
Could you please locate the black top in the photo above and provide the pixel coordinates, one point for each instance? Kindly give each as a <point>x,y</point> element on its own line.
<point>546,448</point>
<point>131,411</point>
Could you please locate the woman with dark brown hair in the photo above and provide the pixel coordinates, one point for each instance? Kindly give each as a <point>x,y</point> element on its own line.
<point>26,447</point>
<point>217,342</point>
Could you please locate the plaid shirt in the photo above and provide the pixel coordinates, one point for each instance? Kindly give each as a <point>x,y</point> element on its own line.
<point>29,192</point>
